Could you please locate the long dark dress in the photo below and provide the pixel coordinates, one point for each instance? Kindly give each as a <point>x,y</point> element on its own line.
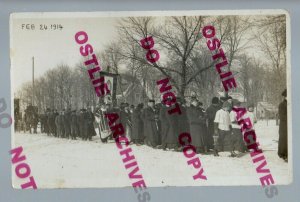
<point>137,125</point>
<point>197,126</point>
<point>282,144</point>
<point>150,127</point>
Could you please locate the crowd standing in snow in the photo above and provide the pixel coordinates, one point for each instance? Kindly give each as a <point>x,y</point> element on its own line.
<point>212,130</point>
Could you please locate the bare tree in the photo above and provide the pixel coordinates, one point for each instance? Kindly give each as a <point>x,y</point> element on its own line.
<point>271,38</point>
<point>174,37</point>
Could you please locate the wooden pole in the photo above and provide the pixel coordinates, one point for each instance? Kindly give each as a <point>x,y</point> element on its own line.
<point>32,81</point>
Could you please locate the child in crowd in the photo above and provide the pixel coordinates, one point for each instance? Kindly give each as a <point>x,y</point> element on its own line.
<point>223,129</point>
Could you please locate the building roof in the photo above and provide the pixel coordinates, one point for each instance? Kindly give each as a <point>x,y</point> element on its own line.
<point>267,106</point>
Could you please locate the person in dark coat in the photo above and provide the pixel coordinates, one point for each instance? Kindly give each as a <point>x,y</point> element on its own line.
<point>170,128</point>
<point>62,126</point>
<point>157,108</point>
<point>82,124</point>
<point>210,115</point>
<point>197,121</point>
<point>49,129</point>
<point>283,133</point>
<point>58,123</point>
<point>79,123</point>
<point>150,127</point>
<point>52,123</point>
<point>165,125</point>
<point>184,125</point>
<point>67,124</point>
<point>73,125</point>
<point>44,123</point>
<point>54,118</point>
<point>90,124</point>
<point>137,125</point>
<point>124,118</point>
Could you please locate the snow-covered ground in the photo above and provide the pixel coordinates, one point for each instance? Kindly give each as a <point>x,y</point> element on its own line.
<point>62,163</point>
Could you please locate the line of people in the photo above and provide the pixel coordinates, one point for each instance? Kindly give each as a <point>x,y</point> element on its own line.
<point>69,123</point>
<point>153,126</point>
<point>214,129</point>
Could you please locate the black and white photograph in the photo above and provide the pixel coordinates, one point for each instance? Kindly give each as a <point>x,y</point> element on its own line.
<point>153,63</point>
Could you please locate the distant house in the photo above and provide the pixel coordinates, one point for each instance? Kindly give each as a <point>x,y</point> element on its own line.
<point>130,91</point>
<point>266,110</point>
<point>237,96</point>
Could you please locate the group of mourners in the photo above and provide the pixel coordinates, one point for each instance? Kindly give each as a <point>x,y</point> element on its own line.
<point>153,126</point>
<point>68,123</point>
<point>212,130</point>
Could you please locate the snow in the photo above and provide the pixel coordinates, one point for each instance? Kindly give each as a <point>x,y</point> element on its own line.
<point>63,163</point>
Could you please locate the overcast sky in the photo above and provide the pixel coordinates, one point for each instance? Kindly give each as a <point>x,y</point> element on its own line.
<point>53,47</point>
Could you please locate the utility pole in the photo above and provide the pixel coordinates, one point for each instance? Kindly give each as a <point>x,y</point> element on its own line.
<point>32,102</point>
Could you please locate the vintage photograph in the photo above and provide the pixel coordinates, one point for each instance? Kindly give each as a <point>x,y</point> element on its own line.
<point>187,88</point>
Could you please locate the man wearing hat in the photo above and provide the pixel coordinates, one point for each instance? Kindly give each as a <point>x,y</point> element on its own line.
<point>282,143</point>
<point>223,129</point>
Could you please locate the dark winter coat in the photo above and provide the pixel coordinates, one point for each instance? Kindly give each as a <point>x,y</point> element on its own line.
<point>82,130</point>
<point>90,119</point>
<point>183,121</point>
<point>59,125</point>
<point>197,125</point>
<point>74,127</point>
<point>283,144</point>
<point>150,127</point>
<point>137,125</point>
<point>170,126</point>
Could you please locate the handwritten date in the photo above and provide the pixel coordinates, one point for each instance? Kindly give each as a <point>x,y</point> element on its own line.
<point>43,27</point>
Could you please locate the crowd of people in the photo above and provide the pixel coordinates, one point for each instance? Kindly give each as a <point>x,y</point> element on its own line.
<point>212,130</point>
<point>153,126</point>
<point>69,123</point>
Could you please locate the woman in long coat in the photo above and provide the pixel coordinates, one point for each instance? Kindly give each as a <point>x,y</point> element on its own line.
<point>282,143</point>
<point>172,131</point>
<point>197,126</point>
<point>137,125</point>
<point>150,127</point>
